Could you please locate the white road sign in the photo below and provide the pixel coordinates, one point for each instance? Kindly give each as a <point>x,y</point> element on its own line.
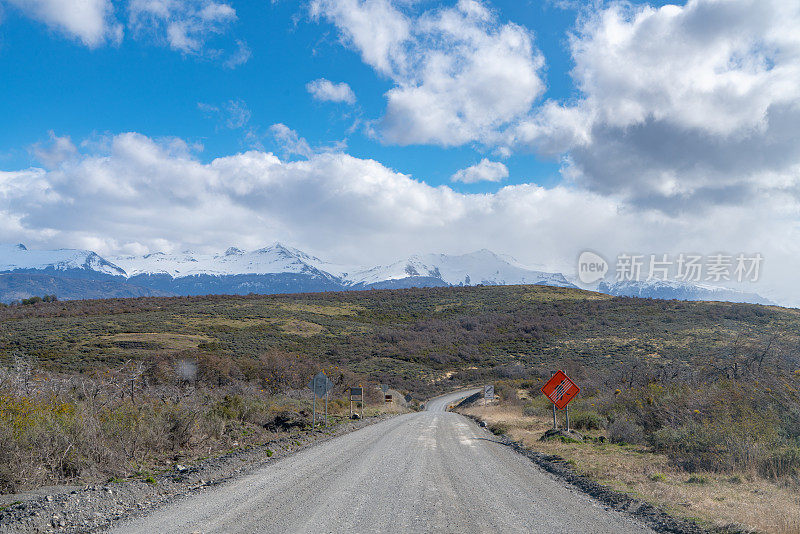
<point>488,392</point>
<point>320,384</point>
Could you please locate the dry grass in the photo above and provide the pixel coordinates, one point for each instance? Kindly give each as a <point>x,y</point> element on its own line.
<point>720,500</point>
<point>290,326</point>
<point>321,309</point>
<point>299,328</point>
<point>165,341</point>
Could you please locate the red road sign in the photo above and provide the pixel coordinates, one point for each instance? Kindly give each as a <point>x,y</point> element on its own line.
<point>560,390</point>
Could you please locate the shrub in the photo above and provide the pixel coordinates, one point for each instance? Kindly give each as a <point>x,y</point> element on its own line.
<point>780,463</point>
<point>623,431</point>
<point>727,444</point>
<point>588,420</point>
<point>498,428</point>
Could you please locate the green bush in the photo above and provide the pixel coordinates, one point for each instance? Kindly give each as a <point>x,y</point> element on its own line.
<point>498,428</point>
<point>587,420</point>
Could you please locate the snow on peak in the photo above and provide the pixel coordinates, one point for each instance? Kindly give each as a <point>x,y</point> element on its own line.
<point>479,267</point>
<point>678,289</point>
<point>18,257</point>
<point>273,259</point>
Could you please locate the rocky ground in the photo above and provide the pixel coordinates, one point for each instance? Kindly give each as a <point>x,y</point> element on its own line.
<point>95,508</point>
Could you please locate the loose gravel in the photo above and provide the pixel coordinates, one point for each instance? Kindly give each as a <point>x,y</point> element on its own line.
<point>94,508</point>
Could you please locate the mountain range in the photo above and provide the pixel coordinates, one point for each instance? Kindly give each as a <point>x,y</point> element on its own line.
<point>77,274</point>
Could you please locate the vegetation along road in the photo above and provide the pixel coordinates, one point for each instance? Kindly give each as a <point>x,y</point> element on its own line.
<point>430,471</point>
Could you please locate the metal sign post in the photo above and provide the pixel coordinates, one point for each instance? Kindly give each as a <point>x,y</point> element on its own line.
<point>357,395</point>
<point>560,389</point>
<point>488,393</point>
<point>320,385</point>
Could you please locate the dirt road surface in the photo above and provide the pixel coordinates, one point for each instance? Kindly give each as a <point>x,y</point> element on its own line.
<point>431,471</point>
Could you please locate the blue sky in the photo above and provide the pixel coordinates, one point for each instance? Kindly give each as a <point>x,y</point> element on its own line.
<point>53,82</point>
<point>366,130</point>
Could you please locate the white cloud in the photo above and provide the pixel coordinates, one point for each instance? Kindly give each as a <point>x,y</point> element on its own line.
<point>137,194</point>
<point>327,91</point>
<point>233,114</point>
<point>185,25</point>
<point>460,75</point>
<point>290,141</point>
<point>682,107</point>
<point>241,56</point>
<point>485,170</point>
<point>90,21</point>
<point>53,154</point>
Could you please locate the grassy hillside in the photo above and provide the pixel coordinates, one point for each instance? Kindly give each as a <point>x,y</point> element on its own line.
<point>416,336</point>
<point>710,385</point>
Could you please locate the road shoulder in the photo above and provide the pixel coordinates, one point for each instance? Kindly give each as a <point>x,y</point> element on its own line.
<point>95,508</point>
<point>644,512</point>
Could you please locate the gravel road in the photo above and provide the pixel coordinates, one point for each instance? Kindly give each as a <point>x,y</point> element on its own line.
<point>431,471</point>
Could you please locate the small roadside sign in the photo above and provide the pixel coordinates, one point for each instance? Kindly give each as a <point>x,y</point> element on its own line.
<point>387,398</point>
<point>357,396</point>
<point>488,392</point>
<point>560,389</point>
<point>320,385</point>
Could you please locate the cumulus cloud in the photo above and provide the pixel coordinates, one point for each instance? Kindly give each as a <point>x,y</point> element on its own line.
<point>90,21</point>
<point>138,194</point>
<point>460,74</point>
<point>681,107</point>
<point>186,25</point>
<point>327,91</point>
<point>54,153</point>
<point>183,25</point>
<point>485,170</point>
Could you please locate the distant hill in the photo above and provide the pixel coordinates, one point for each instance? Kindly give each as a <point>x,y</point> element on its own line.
<point>18,286</point>
<point>82,274</point>
<point>273,269</point>
<point>672,290</point>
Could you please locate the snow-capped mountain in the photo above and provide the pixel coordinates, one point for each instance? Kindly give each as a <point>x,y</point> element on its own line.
<point>481,267</point>
<point>679,290</point>
<point>282,269</point>
<point>17,258</point>
<point>273,269</point>
<point>274,259</point>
